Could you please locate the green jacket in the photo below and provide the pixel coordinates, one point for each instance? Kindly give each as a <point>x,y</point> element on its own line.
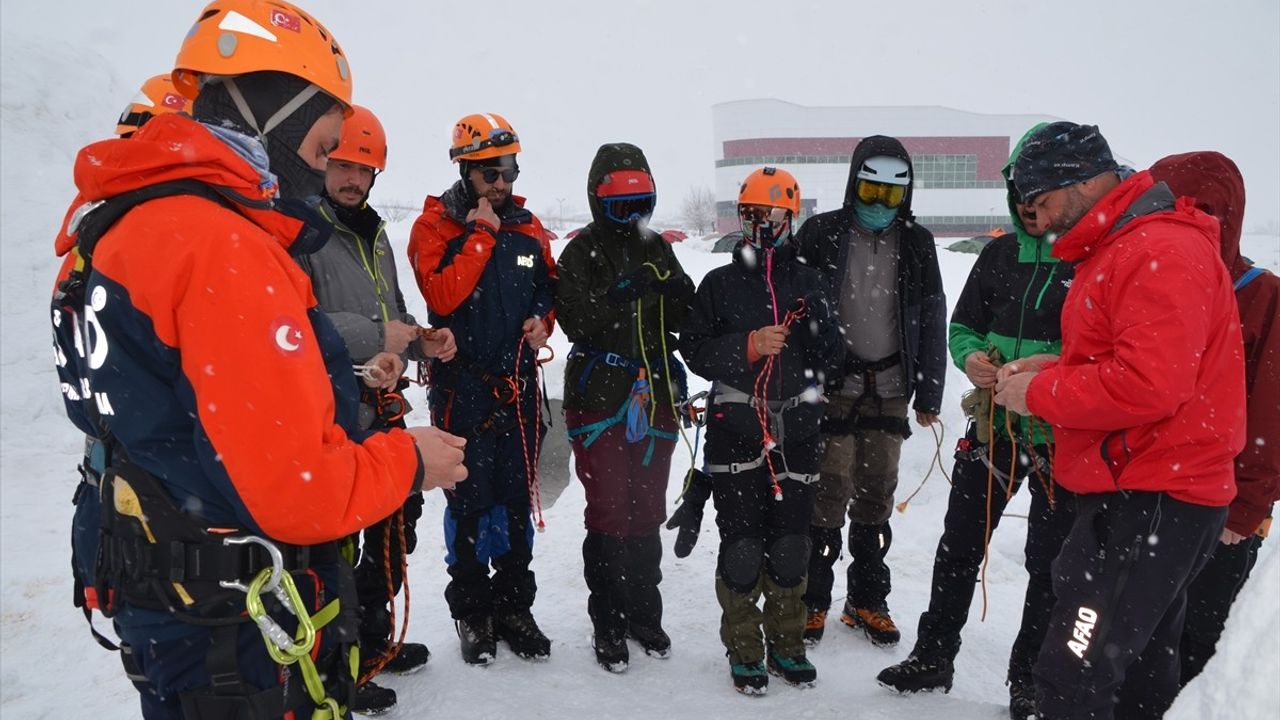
<point>1012,301</point>
<point>593,260</point>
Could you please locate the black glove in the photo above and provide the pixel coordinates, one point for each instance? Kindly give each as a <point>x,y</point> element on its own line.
<point>632,286</point>
<point>688,517</point>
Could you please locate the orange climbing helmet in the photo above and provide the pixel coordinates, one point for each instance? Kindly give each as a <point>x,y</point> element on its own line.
<point>235,37</point>
<point>482,136</point>
<point>157,96</point>
<point>768,205</point>
<point>363,140</point>
<point>771,187</point>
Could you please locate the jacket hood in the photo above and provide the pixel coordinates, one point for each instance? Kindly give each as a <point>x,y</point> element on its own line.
<point>871,147</point>
<point>1027,243</point>
<point>168,148</point>
<point>609,158</point>
<point>1217,187</point>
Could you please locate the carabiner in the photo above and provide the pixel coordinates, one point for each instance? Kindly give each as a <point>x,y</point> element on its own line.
<point>277,562</point>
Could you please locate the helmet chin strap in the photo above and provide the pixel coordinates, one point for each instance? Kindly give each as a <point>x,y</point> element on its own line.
<point>278,117</point>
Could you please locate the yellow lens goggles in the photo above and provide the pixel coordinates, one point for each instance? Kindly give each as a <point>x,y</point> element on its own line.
<point>870,191</point>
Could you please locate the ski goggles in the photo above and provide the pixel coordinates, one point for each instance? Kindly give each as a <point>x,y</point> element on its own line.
<point>498,137</point>
<point>624,209</point>
<point>870,192</point>
<point>491,174</point>
<point>761,223</point>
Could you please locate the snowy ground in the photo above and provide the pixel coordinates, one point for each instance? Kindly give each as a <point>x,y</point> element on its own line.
<point>50,668</point>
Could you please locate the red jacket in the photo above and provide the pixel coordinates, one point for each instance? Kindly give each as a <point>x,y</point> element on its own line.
<point>1218,189</point>
<point>1149,392</point>
<point>214,358</point>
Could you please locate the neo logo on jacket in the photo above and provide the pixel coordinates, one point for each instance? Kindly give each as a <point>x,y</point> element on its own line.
<point>524,261</point>
<point>1086,619</point>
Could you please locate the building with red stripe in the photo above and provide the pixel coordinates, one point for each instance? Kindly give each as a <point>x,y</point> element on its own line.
<point>957,156</point>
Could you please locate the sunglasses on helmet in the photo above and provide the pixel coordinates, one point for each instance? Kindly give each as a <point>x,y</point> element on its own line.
<point>491,174</point>
<point>870,191</point>
<point>624,209</point>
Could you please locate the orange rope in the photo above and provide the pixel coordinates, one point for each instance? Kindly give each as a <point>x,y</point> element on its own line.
<point>393,648</point>
<point>531,457</point>
<point>986,540</point>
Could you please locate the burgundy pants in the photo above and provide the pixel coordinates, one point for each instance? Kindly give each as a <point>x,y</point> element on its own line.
<point>625,497</point>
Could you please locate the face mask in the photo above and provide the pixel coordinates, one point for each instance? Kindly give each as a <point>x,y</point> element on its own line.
<point>874,217</point>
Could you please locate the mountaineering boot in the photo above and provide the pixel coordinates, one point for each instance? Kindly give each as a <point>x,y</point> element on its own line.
<point>917,674</point>
<point>794,670</point>
<point>519,630</point>
<point>815,624</point>
<point>611,650</point>
<point>411,658</point>
<point>654,641</point>
<point>475,634</point>
<point>1022,699</point>
<point>749,678</point>
<point>878,626</point>
<point>373,699</point>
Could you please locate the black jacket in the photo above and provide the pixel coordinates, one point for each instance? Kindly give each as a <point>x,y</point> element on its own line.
<point>921,301</point>
<point>732,301</point>
<point>592,262</point>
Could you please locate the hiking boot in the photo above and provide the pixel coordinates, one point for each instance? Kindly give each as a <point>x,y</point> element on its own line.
<point>795,670</point>
<point>373,699</point>
<point>877,624</point>
<point>411,658</point>
<point>749,678</point>
<point>476,638</point>
<point>611,651</point>
<point>814,625</point>
<point>917,674</point>
<point>519,630</point>
<point>1022,700</point>
<point>654,641</point>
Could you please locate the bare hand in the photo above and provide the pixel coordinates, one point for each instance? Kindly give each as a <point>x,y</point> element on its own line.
<point>979,369</point>
<point>438,343</point>
<point>397,335</point>
<point>483,211</point>
<point>441,457</point>
<point>1030,363</point>
<point>535,332</point>
<point>1011,392</point>
<point>1231,538</point>
<point>386,371</point>
<point>770,340</point>
<point>924,419</point>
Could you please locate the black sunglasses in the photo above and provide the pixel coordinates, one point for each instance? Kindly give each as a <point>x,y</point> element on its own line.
<point>491,174</point>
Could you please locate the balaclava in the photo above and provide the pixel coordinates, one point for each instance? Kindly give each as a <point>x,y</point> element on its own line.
<point>264,94</point>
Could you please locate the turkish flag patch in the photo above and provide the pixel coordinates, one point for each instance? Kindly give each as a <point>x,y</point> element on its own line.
<point>286,335</point>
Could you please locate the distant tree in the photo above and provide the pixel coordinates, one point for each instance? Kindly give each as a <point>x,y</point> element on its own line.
<point>699,210</point>
<point>393,211</point>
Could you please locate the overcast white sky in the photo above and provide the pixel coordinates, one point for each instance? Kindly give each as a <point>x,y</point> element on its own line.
<point>1157,77</point>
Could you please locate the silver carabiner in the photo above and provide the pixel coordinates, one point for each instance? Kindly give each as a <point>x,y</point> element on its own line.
<point>277,562</point>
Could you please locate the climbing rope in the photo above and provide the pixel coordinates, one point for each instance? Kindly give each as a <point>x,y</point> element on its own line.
<point>937,462</point>
<point>394,644</point>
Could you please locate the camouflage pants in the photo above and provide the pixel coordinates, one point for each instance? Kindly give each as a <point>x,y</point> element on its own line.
<point>860,470</point>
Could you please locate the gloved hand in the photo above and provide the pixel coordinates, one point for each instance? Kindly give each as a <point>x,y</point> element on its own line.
<point>688,516</point>
<point>631,286</point>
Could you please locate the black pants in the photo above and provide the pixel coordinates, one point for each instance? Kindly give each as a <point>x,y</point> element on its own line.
<point>1121,581</point>
<point>1209,601</point>
<point>372,571</point>
<point>502,537</point>
<point>960,550</point>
